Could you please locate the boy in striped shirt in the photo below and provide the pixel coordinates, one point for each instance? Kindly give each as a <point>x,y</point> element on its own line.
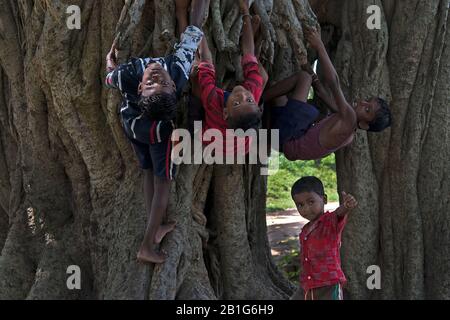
<point>150,88</point>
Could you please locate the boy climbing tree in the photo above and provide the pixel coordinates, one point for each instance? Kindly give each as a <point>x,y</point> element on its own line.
<point>239,108</point>
<point>150,88</point>
<point>302,136</point>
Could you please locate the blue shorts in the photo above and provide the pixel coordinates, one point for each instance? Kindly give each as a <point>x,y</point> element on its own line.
<point>293,120</point>
<point>157,154</point>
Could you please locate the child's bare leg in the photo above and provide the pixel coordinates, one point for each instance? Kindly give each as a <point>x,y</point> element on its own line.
<point>147,253</point>
<point>148,191</point>
<point>297,83</point>
<point>302,87</point>
<point>162,199</point>
<point>163,230</point>
<point>148,197</point>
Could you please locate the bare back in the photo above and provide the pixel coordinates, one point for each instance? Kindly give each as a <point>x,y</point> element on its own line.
<point>338,129</point>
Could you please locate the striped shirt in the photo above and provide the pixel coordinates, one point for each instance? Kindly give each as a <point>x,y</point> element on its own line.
<point>127,77</point>
<point>213,98</point>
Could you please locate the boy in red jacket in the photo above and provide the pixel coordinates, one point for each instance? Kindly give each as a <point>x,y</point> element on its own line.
<point>321,275</point>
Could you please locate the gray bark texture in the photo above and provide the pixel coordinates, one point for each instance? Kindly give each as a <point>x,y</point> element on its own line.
<point>402,175</point>
<point>71,190</point>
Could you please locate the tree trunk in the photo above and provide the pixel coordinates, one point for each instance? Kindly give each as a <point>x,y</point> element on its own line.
<point>71,190</point>
<point>400,177</point>
<point>70,187</point>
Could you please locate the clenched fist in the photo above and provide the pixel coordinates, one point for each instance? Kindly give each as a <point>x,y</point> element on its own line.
<point>349,201</point>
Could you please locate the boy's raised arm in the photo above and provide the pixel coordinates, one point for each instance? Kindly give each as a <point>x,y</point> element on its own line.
<point>206,74</point>
<point>349,203</point>
<point>330,75</point>
<point>323,94</point>
<point>112,67</point>
<point>331,78</point>
<point>111,57</point>
<point>204,52</point>
<point>263,73</point>
<point>247,43</point>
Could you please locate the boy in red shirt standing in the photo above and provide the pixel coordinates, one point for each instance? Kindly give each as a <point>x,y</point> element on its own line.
<point>321,276</point>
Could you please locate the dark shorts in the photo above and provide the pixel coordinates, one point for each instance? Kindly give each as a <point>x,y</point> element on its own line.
<point>156,157</point>
<point>157,154</point>
<point>293,120</point>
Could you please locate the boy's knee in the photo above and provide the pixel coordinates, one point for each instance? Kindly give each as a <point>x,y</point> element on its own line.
<point>304,77</point>
<point>303,85</point>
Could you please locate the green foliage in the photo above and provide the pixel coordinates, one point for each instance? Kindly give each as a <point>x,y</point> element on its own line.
<point>290,265</point>
<point>279,184</point>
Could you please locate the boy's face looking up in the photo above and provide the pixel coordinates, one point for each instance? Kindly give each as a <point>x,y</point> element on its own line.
<point>156,80</point>
<point>240,102</point>
<point>366,112</point>
<point>310,205</point>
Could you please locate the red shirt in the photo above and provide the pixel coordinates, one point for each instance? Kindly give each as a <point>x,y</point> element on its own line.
<point>213,99</point>
<point>320,258</point>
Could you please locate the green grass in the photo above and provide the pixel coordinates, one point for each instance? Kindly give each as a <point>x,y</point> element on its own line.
<point>290,265</point>
<point>279,184</point>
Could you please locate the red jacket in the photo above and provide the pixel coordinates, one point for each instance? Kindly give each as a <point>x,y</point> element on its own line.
<point>213,98</point>
<point>320,244</point>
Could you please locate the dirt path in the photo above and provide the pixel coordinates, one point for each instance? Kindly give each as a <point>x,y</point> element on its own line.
<point>283,228</point>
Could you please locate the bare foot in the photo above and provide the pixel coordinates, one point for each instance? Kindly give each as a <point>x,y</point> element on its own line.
<point>150,256</point>
<point>163,230</point>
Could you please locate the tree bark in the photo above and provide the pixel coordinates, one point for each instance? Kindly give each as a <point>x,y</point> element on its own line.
<point>401,175</point>
<point>70,187</point>
<point>71,190</point>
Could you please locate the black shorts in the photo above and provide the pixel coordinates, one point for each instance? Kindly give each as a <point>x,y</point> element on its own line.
<point>156,157</point>
<point>293,120</point>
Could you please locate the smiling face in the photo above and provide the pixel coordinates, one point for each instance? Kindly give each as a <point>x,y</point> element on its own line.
<point>156,80</point>
<point>239,103</point>
<point>366,112</point>
<point>310,205</point>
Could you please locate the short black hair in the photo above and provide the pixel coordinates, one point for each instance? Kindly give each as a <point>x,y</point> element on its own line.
<point>383,118</point>
<point>161,106</point>
<point>308,184</point>
<point>245,122</point>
